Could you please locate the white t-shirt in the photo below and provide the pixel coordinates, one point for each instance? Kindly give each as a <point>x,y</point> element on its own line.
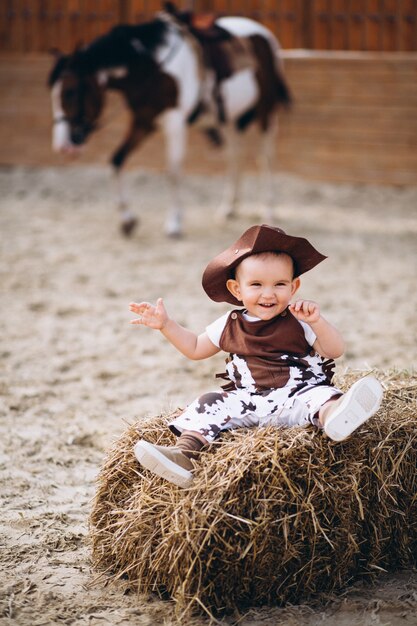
<point>215,329</point>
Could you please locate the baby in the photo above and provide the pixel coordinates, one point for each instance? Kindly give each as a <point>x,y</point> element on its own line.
<point>280,353</point>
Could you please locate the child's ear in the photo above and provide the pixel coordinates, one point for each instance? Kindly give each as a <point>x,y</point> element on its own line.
<point>233,287</point>
<point>295,285</point>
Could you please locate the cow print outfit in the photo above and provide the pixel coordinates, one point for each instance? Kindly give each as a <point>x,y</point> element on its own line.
<point>275,378</point>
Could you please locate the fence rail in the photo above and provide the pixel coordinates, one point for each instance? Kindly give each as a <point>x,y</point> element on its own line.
<point>363,25</point>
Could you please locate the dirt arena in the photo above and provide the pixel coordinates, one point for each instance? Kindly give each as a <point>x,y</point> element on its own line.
<point>74,372</point>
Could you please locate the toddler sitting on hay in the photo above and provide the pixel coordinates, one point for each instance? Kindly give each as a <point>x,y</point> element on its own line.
<point>280,364</point>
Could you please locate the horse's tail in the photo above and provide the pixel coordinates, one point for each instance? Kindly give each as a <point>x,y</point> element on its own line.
<point>268,55</point>
<point>283,93</point>
<point>273,60</point>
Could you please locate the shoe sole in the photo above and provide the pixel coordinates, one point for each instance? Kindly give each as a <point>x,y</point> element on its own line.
<point>154,461</point>
<point>359,404</point>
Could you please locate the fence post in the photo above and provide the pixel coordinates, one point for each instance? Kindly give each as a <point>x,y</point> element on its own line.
<point>306,39</point>
<point>123,12</point>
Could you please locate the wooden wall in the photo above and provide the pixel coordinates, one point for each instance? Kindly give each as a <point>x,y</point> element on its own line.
<point>364,25</point>
<point>354,119</point>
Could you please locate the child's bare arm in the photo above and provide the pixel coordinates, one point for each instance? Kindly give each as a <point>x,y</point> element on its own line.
<point>190,344</point>
<point>329,342</point>
<point>153,316</point>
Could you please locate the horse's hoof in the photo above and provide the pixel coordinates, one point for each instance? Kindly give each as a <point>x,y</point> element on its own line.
<point>173,228</point>
<point>215,136</point>
<point>129,226</point>
<point>225,215</point>
<point>175,234</point>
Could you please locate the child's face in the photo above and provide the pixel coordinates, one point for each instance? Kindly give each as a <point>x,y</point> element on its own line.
<point>264,284</point>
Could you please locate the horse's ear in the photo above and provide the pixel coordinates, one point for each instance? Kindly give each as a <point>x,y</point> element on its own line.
<point>169,7</point>
<point>61,61</point>
<point>181,16</point>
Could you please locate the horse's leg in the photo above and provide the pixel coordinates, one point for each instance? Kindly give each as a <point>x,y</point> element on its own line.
<point>134,137</point>
<point>128,220</point>
<point>266,161</point>
<point>175,130</point>
<point>231,197</point>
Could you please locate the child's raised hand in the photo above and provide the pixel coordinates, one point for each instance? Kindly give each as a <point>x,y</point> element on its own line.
<point>305,311</point>
<point>153,316</point>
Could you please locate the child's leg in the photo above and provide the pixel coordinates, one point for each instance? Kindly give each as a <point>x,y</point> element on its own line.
<point>340,417</point>
<point>171,462</point>
<point>214,412</point>
<point>198,425</point>
<point>190,443</point>
<point>167,462</point>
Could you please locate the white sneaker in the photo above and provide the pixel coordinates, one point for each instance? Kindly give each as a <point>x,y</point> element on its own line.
<point>356,406</point>
<point>167,462</point>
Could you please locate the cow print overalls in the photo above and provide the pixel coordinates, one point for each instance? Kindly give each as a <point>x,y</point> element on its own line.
<point>274,378</point>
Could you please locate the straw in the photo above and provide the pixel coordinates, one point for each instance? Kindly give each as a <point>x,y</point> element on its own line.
<point>275,516</point>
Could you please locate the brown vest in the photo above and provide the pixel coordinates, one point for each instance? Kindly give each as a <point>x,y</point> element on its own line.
<point>270,348</point>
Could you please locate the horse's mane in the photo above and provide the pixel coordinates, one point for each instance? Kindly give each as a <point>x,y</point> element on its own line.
<point>125,44</point>
<point>118,46</point>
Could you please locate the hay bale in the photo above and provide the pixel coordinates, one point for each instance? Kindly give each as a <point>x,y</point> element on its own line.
<point>274,516</point>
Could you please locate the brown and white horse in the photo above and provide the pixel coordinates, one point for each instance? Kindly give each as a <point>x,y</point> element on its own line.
<point>178,69</point>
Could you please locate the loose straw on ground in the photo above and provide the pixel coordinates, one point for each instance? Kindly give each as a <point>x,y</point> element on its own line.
<point>274,516</point>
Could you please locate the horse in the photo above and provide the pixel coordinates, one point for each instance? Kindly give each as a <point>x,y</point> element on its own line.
<point>178,69</point>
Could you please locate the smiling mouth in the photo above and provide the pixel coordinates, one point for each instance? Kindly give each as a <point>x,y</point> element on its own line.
<point>267,306</point>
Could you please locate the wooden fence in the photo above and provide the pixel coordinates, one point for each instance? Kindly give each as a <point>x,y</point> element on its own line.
<point>354,119</point>
<point>28,26</point>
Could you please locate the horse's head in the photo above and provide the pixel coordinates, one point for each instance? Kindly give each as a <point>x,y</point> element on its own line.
<point>77,101</point>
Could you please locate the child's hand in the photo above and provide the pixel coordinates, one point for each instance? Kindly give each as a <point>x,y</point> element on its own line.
<point>150,315</point>
<point>305,311</point>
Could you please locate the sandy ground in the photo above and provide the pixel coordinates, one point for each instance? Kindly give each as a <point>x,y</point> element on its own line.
<point>74,372</point>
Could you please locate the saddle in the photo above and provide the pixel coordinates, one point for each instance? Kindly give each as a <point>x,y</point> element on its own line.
<point>204,28</point>
<point>212,38</point>
<point>221,52</point>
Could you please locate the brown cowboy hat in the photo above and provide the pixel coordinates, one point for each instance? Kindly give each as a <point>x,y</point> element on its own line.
<point>254,240</point>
